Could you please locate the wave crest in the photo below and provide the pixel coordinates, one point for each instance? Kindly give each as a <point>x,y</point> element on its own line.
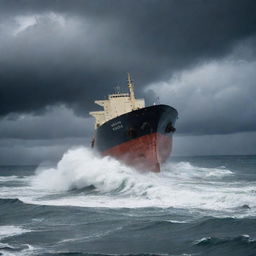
<point>80,168</point>
<point>88,180</point>
<point>212,241</point>
<point>185,170</point>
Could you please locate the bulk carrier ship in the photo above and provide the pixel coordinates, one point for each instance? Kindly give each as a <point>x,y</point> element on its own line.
<point>137,135</point>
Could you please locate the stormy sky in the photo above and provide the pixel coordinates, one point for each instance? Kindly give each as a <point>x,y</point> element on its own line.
<point>57,57</point>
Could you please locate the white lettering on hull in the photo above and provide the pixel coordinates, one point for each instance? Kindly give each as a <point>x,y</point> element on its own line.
<point>117,125</point>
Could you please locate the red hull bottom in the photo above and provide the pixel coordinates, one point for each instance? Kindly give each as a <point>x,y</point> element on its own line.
<point>144,153</point>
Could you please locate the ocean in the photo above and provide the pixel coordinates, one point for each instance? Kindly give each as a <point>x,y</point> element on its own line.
<point>90,206</point>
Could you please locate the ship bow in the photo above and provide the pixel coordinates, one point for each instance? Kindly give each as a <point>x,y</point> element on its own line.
<point>141,138</point>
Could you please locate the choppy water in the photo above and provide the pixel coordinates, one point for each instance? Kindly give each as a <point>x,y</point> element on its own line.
<point>92,206</point>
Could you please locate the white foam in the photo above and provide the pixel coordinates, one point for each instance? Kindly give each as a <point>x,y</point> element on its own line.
<point>5,245</point>
<point>185,170</point>
<point>203,239</point>
<point>7,231</point>
<point>30,250</point>
<point>177,221</point>
<point>8,178</point>
<point>81,168</point>
<point>180,185</point>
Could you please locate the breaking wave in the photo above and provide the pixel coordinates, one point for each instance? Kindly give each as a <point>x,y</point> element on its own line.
<point>7,231</point>
<point>81,168</point>
<point>81,178</point>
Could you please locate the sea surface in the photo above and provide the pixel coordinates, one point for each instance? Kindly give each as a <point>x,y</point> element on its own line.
<point>91,206</point>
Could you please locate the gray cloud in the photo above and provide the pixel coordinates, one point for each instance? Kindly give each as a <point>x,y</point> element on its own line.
<point>56,58</point>
<point>228,144</point>
<point>57,123</point>
<point>74,52</point>
<point>26,152</point>
<point>214,97</point>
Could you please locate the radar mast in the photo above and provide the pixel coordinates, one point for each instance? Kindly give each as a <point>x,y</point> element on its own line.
<point>131,90</point>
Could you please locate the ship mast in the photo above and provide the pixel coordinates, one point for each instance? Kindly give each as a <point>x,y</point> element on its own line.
<point>131,91</point>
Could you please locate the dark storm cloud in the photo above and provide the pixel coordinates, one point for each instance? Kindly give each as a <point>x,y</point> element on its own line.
<point>26,152</point>
<point>57,123</point>
<point>72,52</point>
<point>57,57</point>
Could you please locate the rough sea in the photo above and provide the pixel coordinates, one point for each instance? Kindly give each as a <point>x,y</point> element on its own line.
<point>91,206</point>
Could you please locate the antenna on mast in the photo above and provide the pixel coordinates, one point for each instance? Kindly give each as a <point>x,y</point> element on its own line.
<point>131,87</point>
<point>131,90</point>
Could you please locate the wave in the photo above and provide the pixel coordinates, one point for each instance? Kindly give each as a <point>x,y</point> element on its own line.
<point>187,171</point>
<point>238,240</point>
<point>7,231</point>
<point>12,231</point>
<point>81,168</point>
<point>21,249</point>
<point>83,179</point>
<point>4,201</point>
<point>177,221</point>
<point>8,178</point>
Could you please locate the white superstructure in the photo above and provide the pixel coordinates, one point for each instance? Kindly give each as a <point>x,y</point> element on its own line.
<point>117,104</point>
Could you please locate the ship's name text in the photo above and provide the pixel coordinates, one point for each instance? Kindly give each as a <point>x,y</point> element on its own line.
<point>117,125</point>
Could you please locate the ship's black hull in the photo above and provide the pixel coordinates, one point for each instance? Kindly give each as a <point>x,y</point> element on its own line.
<point>138,137</point>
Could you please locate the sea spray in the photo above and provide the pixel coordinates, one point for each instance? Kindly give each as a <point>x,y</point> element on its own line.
<point>115,185</point>
<point>80,168</point>
<point>187,171</point>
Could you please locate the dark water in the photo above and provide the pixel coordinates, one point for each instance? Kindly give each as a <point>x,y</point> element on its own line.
<point>88,206</point>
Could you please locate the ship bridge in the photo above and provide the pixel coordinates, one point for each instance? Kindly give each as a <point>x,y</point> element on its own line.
<point>117,104</point>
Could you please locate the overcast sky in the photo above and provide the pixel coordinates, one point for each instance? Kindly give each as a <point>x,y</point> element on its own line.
<point>57,57</point>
